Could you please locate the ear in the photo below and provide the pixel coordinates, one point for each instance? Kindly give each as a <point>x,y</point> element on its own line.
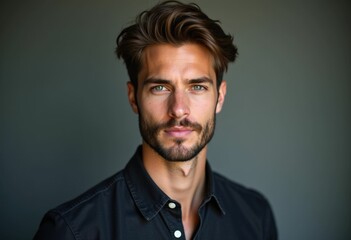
<point>221,95</point>
<point>131,97</point>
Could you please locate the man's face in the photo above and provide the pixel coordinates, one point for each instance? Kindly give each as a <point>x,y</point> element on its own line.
<point>177,100</point>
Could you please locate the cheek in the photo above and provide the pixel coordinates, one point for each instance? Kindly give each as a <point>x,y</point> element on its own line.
<point>152,110</point>
<point>203,109</point>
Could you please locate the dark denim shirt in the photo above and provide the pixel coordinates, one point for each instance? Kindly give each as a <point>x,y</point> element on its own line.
<point>129,205</point>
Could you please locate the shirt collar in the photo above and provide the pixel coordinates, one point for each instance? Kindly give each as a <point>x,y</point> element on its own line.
<point>148,197</point>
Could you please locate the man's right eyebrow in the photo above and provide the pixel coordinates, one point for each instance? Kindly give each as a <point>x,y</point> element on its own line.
<point>155,81</point>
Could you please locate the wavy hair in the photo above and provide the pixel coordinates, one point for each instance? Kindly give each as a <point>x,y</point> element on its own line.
<point>176,23</point>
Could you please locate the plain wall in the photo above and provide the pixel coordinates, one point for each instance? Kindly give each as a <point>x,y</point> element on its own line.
<point>66,123</point>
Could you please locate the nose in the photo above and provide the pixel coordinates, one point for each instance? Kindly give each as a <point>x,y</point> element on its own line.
<point>178,105</point>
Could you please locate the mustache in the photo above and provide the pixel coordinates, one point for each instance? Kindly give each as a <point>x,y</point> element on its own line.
<point>183,123</point>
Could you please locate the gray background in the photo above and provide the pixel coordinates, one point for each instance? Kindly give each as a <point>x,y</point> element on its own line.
<point>285,128</point>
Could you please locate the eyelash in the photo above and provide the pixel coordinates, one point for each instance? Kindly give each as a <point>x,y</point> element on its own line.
<point>198,88</point>
<point>156,88</point>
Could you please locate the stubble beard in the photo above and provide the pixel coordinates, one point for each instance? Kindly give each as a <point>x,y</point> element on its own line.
<point>177,152</point>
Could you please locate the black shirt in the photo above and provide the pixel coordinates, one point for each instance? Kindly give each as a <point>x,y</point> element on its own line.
<point>129,205</point>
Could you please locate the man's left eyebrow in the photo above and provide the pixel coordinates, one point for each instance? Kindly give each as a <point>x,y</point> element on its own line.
<point>201,80</point>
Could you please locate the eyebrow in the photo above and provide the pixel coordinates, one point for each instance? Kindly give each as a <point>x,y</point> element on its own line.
<point>164,81</point>
<point>155,81</point>
<point>201,80</point>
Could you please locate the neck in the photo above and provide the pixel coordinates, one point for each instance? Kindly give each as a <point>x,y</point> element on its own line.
<point>181,181</point>
<point>176,179</point>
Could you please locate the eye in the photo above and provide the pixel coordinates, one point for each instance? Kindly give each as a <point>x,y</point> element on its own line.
<point>198,88</point>
<point>159,88</point>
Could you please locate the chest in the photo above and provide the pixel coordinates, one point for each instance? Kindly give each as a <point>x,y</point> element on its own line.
<point>167,224</point>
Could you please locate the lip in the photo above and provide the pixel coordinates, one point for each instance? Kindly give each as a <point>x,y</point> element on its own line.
<point>178,131</point>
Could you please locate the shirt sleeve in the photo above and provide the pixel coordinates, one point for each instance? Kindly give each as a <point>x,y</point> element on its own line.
<point>54,227</point>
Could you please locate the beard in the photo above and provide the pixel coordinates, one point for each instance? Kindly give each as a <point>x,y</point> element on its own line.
<point>177,152</point>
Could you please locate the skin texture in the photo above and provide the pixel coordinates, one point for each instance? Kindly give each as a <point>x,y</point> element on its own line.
<point>177,100</point>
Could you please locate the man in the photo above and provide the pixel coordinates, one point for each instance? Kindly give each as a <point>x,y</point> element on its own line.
<point>175,56</point>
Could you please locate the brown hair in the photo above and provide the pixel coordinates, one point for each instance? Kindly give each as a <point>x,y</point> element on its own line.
<point>176,23</point>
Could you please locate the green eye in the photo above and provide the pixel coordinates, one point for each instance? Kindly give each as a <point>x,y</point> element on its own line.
<point>159,88</point>
<point>198,88</point>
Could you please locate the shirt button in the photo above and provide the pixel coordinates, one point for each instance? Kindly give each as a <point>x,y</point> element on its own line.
<point>171,205</point>
<point>177,233</point>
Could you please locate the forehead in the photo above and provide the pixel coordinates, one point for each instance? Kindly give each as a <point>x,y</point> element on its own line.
<point>168,61</point>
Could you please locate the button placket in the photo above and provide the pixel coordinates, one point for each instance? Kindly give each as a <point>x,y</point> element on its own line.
<point>173,218</point>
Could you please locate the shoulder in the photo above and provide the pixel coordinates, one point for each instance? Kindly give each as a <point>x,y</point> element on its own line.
<point>232,193</point>
<point>68,219</point>
<point>95,194</point>
<point>245,206</point>
<point>92,199</point>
